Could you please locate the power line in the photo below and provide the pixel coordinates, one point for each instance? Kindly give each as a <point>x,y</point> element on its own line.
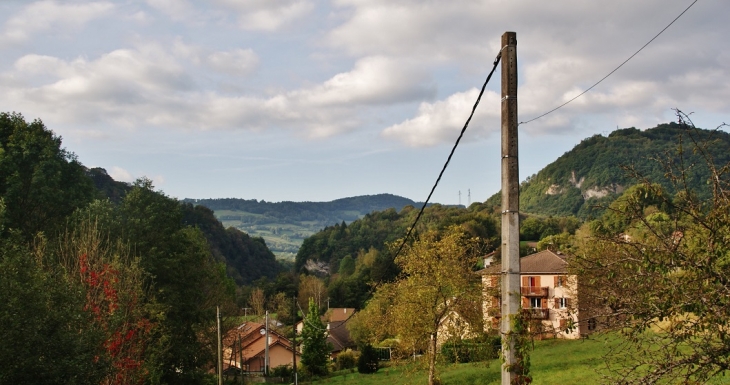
<point>410,230</point>
<point>614,70</point>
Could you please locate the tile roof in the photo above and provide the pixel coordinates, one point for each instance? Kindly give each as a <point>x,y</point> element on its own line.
<point>545,262</point>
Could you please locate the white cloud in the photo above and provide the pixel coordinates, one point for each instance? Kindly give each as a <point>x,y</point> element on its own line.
<point>147,86</point>
<point>178,10</point>
<point>48,15</point>
<point>442,121</point>
<point>238,62</point>
<point>268,15</point>
<point>119,174</point>
<point>373,80</point>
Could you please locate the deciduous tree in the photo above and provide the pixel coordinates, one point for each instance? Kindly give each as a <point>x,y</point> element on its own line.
<point>657,268</point>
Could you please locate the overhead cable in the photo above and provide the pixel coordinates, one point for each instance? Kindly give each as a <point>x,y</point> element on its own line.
<point>614,70</point>
<point>410,230</point>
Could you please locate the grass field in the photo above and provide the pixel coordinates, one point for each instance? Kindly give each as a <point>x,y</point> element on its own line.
<point>554,362</point>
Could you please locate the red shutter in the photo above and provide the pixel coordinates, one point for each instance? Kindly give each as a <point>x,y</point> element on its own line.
<point>525,303</point>
<point>555,281</point>
<point>537,281</point>
<point>544,303</point>
<point>557,303</point>
<point>525,281</point>
<point>567,302</point>
<point>495,302</point>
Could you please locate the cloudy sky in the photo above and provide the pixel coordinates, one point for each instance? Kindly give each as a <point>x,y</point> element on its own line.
<point>318,100</point>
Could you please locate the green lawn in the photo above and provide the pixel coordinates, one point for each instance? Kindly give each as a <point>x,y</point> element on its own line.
<point>558,362</point>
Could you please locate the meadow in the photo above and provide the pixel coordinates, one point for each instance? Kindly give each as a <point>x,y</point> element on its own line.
<point>553,362</point>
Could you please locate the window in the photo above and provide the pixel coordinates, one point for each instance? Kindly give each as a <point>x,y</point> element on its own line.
<point>562,303</point>
<point>592,324</point>
<point>536,303</point>
<point>560,281</point>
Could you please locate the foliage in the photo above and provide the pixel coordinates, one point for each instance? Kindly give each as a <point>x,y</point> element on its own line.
<point>40,182</point>
<point>573,184</point>
<point>367,363</point>
<point>519,340</point>
<point>246,258</point>
<point>347,360</point>
<point>285,224</point>
<point>656,267</point>
<point>315,348</point>
<point>283,371</point>
<point>46,337</point>
<point>436,282</point>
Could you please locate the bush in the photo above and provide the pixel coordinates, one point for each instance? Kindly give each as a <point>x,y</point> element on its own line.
<point>368,361</point>
<point>346,360</point>
<point>284,371</point>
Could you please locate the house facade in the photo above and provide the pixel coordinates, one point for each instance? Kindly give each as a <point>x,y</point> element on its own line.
<point>549,295</point>
<point>244,348</point>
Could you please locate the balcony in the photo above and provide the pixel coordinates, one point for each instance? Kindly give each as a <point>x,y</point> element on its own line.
<point>536,313</point>
<point>534,291</point>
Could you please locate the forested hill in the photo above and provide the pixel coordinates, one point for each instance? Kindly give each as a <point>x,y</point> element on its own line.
<point>327,213</point>
<point>594,172</point>
<point>284,225</point>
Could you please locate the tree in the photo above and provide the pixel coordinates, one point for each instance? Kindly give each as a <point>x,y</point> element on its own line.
<point>40,182</point>
<point>437,281</point>
<point>257,301</point>
<point>656,267</point>
<point>367,363</point>
<point>315,348</point>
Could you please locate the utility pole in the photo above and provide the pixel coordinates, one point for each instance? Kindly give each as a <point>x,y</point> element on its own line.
<point>294,339</point>
<point>266,351</point>
<point>459,197</point>
<point>510,204</point>
<point>220,346</point>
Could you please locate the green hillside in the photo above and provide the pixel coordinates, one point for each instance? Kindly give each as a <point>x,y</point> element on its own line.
<point>284,225</point>
<point>595,171</point>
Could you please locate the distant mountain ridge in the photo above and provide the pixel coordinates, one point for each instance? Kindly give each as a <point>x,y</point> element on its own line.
<point>591,174</point>
<point>284,225</point>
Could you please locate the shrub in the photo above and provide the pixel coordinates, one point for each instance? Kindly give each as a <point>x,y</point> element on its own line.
<point>368,361</point>
<point>284,371</point>
<point>346,360</point>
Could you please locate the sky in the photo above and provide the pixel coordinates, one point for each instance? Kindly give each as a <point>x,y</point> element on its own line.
<point>306,100</point>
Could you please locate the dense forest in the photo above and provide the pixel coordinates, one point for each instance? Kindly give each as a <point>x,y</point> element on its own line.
<point>599,169</point>
<point>104,282</point>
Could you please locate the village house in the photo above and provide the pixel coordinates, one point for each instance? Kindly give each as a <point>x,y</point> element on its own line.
<point>244,348</point>
<point>335,320</point>
<point>549,295</point>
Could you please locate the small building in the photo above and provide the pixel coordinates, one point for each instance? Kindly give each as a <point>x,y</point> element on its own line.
<point>244,348</point>
<point>335,320</point>
<point>549,295</point>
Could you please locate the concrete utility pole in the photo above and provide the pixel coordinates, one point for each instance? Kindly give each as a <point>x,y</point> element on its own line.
<point>510,203</point>
<point>220,346</point>
<point>266,349</point>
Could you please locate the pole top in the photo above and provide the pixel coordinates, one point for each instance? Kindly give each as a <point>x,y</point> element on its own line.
<point>509,38</point>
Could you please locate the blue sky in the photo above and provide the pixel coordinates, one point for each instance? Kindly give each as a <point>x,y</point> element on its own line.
<point>318,100</point>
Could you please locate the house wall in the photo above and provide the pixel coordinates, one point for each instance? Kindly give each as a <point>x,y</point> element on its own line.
<point>558,318</point>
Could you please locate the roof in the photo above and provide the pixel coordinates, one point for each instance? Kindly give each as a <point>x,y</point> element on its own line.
<point>339,336</point>
<point>337,314</point>
<point>543,262</point>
